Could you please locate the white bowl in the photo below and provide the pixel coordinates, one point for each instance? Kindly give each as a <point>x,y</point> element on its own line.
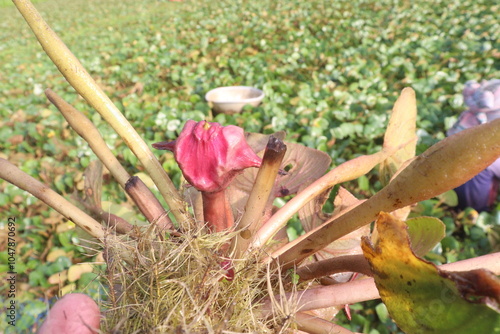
<point>231,100</point>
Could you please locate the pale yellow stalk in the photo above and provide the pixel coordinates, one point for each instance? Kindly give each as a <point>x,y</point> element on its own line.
<point>259,196</point>
<point>399,144</point>
<point>20,179</point>
<point>347,171</point>
<point>85,85</point>
<point>145,200</point>
<point>87,130</point>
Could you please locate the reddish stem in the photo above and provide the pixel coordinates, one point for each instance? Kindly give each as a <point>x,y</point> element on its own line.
<point>217,211</point>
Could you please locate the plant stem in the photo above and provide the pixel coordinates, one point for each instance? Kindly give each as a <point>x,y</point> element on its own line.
<point>399,143</point>
<point>87,130</point>
<point>259,196</point>
<point>20,179</point>
<point>364,289</point>
<point>119,224</point>
<point>331,295</point>
<point>442,167</point>
<point>346,263</point>
<point>83,83</point>
<point>217,211</point>
<point>145,200</point>
<point>148,204</point>
<point>314,325</point>
<point>345,172</point>
<point>489,261</point>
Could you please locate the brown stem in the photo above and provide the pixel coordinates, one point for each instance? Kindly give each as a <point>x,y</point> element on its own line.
<point>347,171</point>
<point>217,211</point>
<point>314,325</point>
<point>365,289</point>
<point>20,179</point>
<point>148,204</point>
<point>331,295</point>
<point>120,225</point>
<point>347,263</point>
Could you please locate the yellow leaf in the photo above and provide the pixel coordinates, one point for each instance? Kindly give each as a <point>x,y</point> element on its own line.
<point>423,299</point>
<point>54,254</point>
<point>76,271</point>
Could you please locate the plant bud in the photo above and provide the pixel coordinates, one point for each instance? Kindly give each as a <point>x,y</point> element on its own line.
<point>211,155</point>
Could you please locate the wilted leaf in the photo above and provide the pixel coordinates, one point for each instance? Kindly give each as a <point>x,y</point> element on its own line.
<point>58,278</point>
<point>93,184</point>
<point>63,227</point>
<point>67,289</point>
<point>55,253</point>
<point>423,299</point>
<point>122,211</point>
<point>400,132</point>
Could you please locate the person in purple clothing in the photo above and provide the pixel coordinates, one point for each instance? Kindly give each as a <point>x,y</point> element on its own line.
<point>483,100</point>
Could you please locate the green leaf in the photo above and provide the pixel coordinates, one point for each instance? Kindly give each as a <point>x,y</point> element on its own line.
<point>425,233</point>
<point>423,299</point>
<point>449,198</point>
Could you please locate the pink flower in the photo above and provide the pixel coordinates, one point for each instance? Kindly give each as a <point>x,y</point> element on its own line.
<point>211,155</point>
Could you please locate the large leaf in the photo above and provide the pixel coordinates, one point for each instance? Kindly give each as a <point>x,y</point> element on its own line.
<point>423,299</point>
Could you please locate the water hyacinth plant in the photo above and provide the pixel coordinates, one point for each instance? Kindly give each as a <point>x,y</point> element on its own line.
<point>216,260</point>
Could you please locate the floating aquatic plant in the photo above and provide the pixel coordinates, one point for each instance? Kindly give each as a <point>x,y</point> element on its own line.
<point>218,263</point>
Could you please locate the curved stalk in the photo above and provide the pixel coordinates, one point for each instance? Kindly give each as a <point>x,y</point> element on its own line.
<point>85,85</point>
<point>87,130</point>
<point>399,145</point>
<point>345,172</point>
<point>365,289</point>
<point>442,167</point>
<point>20,179</point>
<point>339,264</point>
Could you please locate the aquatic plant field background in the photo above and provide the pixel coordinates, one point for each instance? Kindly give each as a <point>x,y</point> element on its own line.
<point>331,72</point>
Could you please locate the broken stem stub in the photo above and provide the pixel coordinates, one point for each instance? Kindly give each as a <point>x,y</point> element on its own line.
<point>259,196</point>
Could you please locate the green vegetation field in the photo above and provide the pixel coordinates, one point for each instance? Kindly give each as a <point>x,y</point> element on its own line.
<point>331,71</point>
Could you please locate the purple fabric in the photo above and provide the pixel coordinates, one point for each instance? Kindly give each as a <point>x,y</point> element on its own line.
<point>479,192</point>
<point>483,100</point>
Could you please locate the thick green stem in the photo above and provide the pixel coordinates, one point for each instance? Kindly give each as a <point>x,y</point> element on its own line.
<point>83,83</point>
